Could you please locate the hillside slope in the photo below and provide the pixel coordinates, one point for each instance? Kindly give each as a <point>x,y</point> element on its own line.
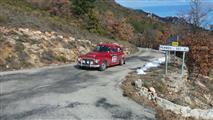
<point>151,31</point>
<point>31,37</point>
<point>24,48</point>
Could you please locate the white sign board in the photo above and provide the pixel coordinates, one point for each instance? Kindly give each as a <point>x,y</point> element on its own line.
<point>173,48</point>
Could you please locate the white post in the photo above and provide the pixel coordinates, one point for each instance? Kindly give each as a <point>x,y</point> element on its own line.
<point>174,56</point>
<point>168,56</point>
<point>166,60</point>
<point>182,69</point>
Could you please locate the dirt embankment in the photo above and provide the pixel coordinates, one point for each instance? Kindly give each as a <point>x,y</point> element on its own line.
<point>26,48</point>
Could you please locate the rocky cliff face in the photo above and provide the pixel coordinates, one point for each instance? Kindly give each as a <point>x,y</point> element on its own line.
<point>25,48</point>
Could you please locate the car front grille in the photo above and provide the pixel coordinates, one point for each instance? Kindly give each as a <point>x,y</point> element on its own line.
<point>87,61</point>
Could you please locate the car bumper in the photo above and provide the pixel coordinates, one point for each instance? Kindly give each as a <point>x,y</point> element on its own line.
<point>89,66</point>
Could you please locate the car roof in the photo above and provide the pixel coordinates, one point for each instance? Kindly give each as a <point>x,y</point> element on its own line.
<point>109,45</point>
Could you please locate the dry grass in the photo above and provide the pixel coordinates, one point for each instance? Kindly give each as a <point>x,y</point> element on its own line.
<point>130,91</point>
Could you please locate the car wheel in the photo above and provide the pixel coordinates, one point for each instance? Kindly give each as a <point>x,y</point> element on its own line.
<point>122,61</point>
<point>79,67</point>
<point>103,66</point>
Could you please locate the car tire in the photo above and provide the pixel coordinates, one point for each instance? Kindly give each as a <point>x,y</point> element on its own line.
<point>80,67</point>
<point>103,66</point>
<point>122,61</point>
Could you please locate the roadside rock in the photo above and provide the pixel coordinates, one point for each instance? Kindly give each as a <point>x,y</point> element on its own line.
<point>152,90</point>
<point>178,109</point>
<point>138,83</point>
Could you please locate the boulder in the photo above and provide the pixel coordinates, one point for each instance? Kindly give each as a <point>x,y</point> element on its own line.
<point>152,90</point>
<point>138,83</point>
<point>185,111</point>
<point>71,38</point>
<point>195,113</point>
<point>60,36</point>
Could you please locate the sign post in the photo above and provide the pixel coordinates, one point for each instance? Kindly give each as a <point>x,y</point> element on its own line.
<point>166,60</point>
<point>167,49</point>
<point>182,68</point>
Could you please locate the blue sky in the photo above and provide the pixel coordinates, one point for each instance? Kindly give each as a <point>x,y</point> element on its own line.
<point>137,4</point>
<point>165,8</point>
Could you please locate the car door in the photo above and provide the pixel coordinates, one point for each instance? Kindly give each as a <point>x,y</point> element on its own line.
<point>115,56</point>
<point>119,53</point>
<point>108,55</point>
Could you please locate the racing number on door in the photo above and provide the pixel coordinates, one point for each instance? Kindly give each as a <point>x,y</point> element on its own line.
<point>114,58</point>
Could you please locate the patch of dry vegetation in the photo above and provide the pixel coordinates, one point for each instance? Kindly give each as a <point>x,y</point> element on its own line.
<point>131,92</point>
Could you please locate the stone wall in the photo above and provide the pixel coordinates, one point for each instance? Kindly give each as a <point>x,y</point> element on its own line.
<point>184,111</point>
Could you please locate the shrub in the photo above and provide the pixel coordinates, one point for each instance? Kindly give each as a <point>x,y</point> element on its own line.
<point>61,58</point>
<point>60,7</point>
<point>141,26</point>
<point>200,56</point>
<point>118,27</point>
<point>3,19</point>
<point>42,4</point>
<point>93,24</point>
<point>82,7</point>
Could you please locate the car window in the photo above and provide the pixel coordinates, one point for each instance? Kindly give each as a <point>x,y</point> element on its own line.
<point>119,49</point>
<point>102,49</point>
<point>114,50</point>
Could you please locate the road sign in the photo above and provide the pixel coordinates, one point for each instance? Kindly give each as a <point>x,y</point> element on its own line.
<point>173,48</point>
<point>175,44</point>
<point>174,38</point>
<point>167,49</point>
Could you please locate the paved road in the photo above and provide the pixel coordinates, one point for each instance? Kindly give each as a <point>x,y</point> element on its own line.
<point>65,92</point>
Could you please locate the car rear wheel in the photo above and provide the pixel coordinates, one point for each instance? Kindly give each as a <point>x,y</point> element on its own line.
<point>103,66</point>
<point>122,61</point>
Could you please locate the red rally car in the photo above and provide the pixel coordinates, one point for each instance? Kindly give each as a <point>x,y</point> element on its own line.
<point>103,56</point>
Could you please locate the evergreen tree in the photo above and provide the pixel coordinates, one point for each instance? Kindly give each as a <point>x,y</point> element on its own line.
<point>82,7</point>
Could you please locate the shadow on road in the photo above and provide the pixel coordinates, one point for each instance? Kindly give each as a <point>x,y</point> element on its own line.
<point>85,68</point>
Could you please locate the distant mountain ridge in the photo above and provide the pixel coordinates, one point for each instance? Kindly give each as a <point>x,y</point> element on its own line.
<point>170,19</point>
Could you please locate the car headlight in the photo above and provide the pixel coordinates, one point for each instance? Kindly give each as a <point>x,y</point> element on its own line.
<point>96,61</point>
<point>79,59</point>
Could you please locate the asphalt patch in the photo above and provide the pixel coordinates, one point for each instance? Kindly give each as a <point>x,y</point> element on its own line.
<point>74,104</point>
<point>116,111</point>
<point>103,103</point>
<point>23,115</point>
<point>122,115</point>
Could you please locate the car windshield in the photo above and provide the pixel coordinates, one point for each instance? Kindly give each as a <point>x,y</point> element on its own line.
<point>102,49</point>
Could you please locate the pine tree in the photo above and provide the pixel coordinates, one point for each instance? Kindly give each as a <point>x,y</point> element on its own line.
<point>82,7</point>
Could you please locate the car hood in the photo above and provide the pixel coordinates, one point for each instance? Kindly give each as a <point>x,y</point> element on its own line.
<point>93,55</point>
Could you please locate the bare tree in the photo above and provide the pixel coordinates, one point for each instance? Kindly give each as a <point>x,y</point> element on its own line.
<point>211,27</point>
<point>197,14</point>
